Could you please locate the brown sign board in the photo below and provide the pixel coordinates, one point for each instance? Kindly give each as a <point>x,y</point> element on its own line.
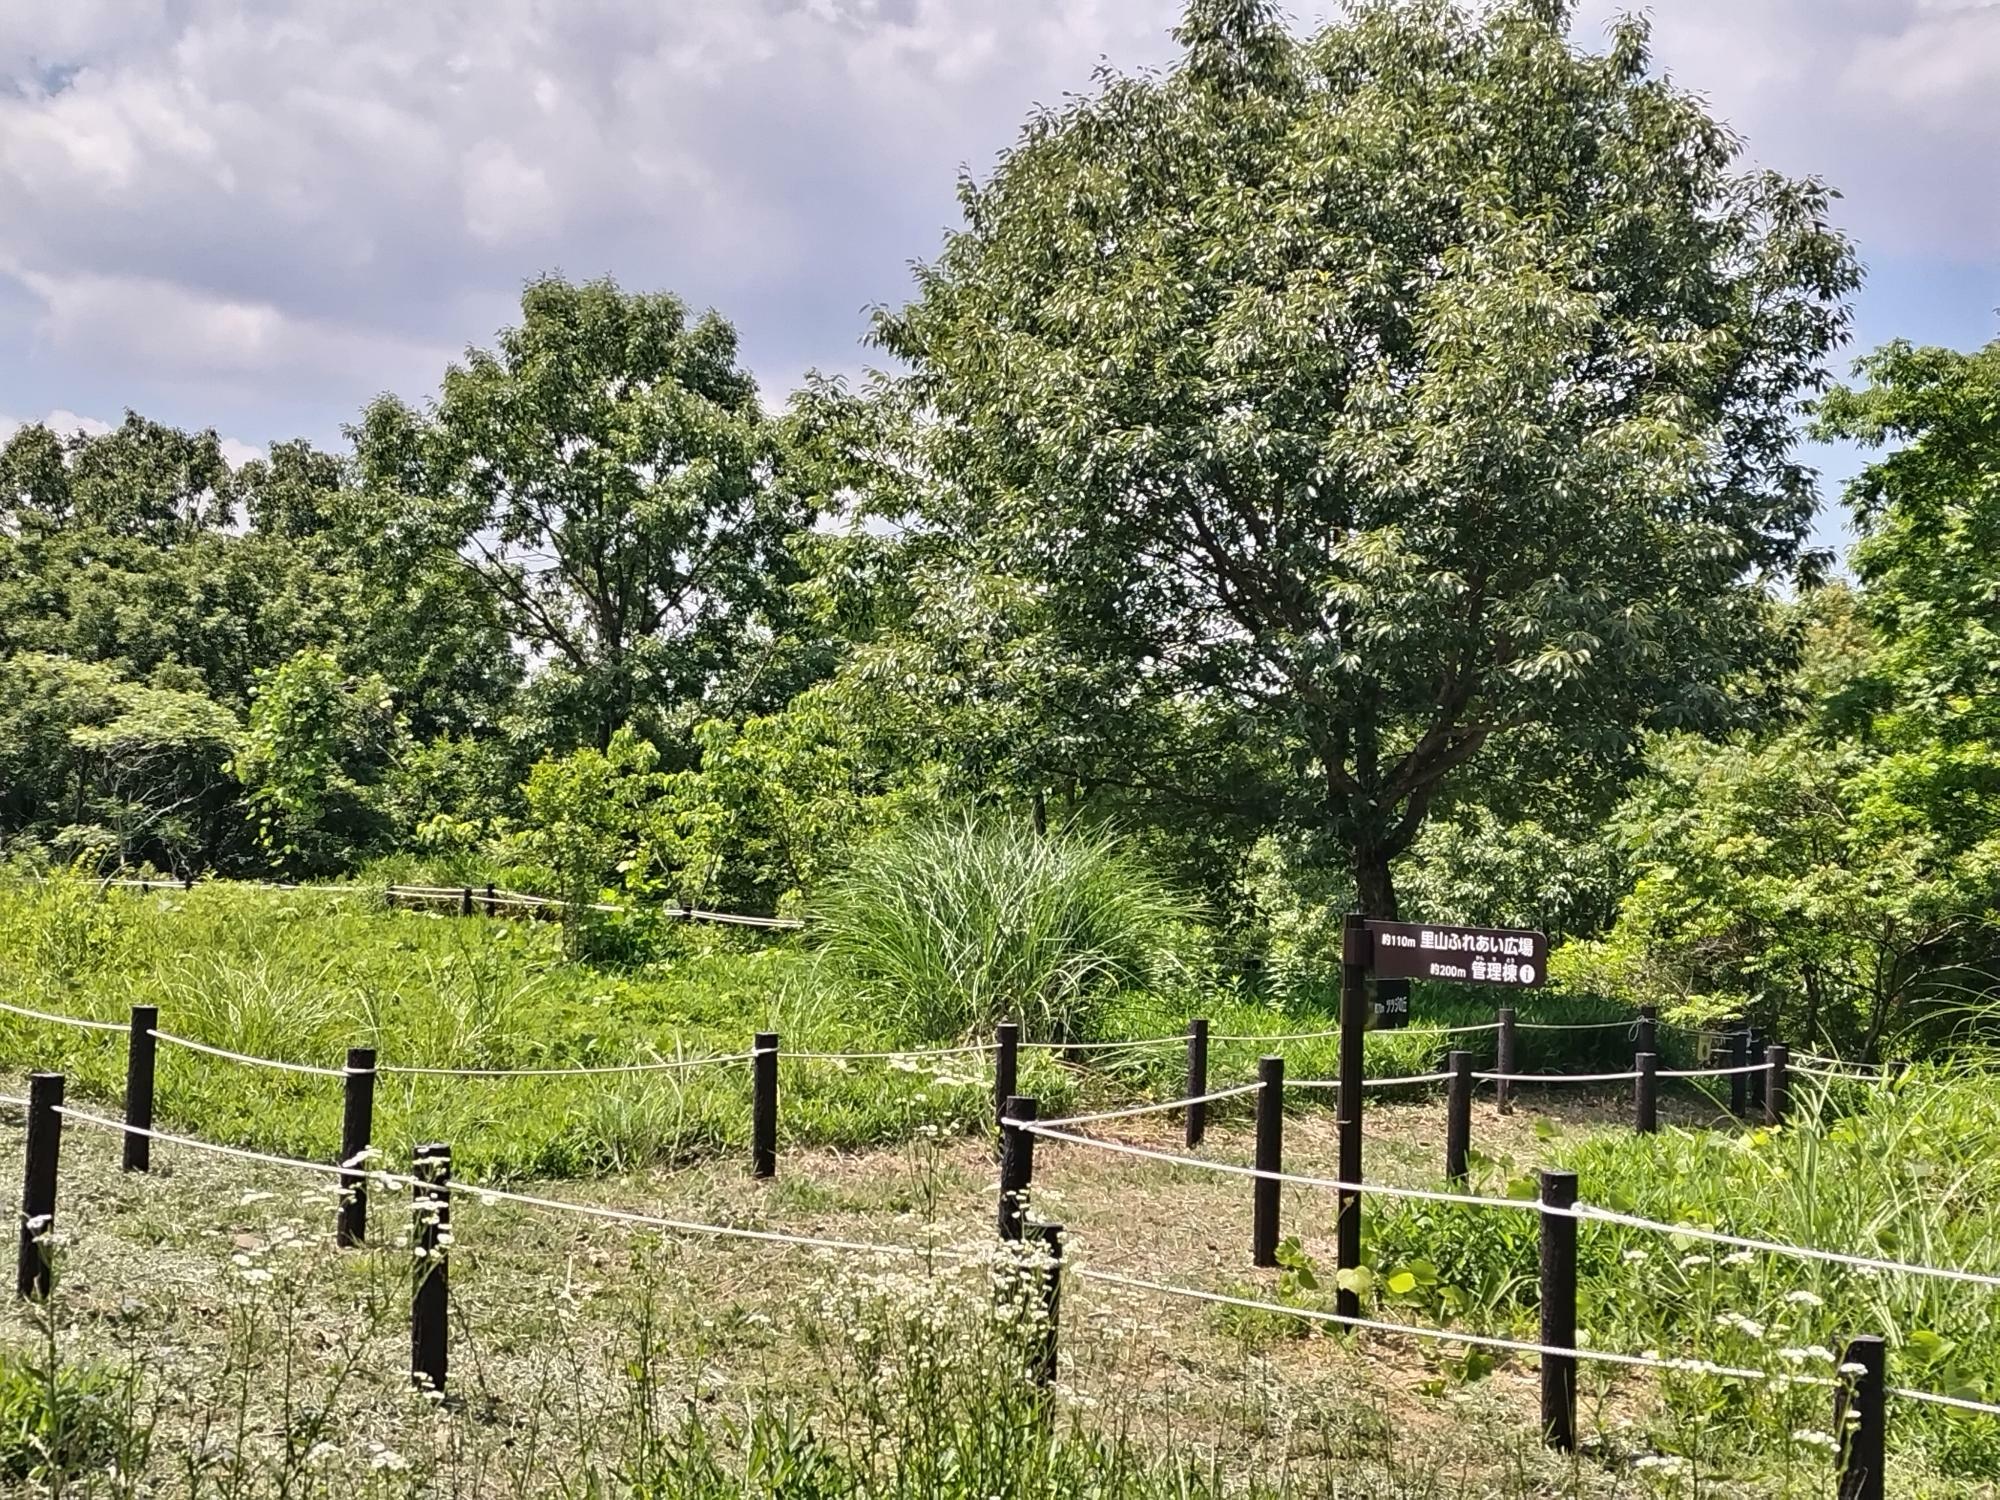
<point>1509,956</point>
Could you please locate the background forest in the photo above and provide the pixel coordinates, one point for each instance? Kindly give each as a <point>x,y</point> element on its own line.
<point>1437,545</point>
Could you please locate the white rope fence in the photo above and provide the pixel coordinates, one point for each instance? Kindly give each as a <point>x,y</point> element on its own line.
<point>1367,1083</point>
<point>1449,1335</point>
<point>1153,1109</point>
<point>489,1194</point>
<point>665,1065</point>
<point>1581,1352</point>
<point>1581,1211</point>
<point>238,1057</point>
<point>77,1021</point>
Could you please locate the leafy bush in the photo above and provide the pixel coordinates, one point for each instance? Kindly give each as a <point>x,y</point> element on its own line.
<point>956,924</point>
<point>59,1422</point>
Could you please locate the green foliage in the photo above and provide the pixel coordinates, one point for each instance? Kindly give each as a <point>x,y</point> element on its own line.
<point>58,1422</point>
<point>951,925</point>
<point>95,764</point>
<point>1929,516</point>
<point>1840,879</point>
<point>302,977</point>
<point>1345,404</point>
<point>589,817</point>
<point>311,756</point>
<point>775,806</point>
<point>1470,866</point>
<point>1788,882</point>
<point>605,478</point>
<point>1903,1173</point>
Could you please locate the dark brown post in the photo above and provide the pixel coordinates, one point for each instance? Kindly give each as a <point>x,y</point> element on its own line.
<point>1458,1116</point>
<point>1777,1082</point>
<point>465,902</point>
<point>1017,1165</point>
<point>1043,1370</point>
<point>492,900</point>
<point>1559,1311</point>
<point>141,1052</point>
<point>430,1295</point>
<point>1646,1094</point>
<point>1354,967</point>
<point>1646,1035</point>
<point>357,1129</point>
<point>32,1268</point>
<point>1503,1051</point>
<point>1859,1418</point>
<point>1739,1083</point>
<point>1006,1065</point>
<point>764,1105</point>
<point>1270,1157</point>
<point>1195,1116</point>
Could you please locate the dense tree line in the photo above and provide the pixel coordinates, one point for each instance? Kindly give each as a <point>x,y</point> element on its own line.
<point>1360,465</point>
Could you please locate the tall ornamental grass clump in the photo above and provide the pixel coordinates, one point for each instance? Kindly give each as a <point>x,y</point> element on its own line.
<point>962,923</point>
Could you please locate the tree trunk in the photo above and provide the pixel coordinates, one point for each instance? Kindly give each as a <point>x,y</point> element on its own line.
<point>1374,886</point>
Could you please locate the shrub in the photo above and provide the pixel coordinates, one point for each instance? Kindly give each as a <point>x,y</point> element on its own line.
<point>53,1426</point>
<point>951,925</point>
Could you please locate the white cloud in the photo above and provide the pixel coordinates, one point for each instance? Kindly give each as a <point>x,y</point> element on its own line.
<point>236,453</point>
<point>1890,101</point>
<point>304,203</point>
<point>69,424</point>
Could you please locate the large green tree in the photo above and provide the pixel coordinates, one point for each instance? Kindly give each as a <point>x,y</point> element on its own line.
<point>605,475</point>
<point>1355,405</point>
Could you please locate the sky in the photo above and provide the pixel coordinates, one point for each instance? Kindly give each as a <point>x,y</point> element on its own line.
<point>255,217</point>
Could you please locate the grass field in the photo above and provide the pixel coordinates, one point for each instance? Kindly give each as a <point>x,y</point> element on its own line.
<point>205,1337</point>
<point>301,978</point>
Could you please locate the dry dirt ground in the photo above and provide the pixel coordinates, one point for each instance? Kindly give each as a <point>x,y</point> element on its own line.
<point>259,1340</point>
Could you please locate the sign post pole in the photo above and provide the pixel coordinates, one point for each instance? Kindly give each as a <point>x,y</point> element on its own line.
<point>1355,963</point>
<point>1397,952</point>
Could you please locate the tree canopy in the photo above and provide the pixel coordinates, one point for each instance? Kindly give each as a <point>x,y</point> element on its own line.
<point>605,476</point>
<point>1371,398</point>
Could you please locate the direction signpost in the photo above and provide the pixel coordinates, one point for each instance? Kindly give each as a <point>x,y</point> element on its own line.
<point>1513,958</point>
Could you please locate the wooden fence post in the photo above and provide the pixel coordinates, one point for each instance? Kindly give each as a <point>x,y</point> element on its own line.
<point>430,1288</point>
<point>1006,1066</point>
<point>1777,1082</point>
<point>357,1129</point>
<point>1646,1094</point>
<point>32,1268</point>
<point>141,1053</point>
<point>1270,1157</point>
<point>465,901</point>
<point>1859,1419</point>
<point>1646,1034</point>
<point>1504,1054</point>
<point>764,1105</point>
<point>1017,1166</point>
<point>1195,1117</point>
<point>1458,1116</point>
<point>1559,1311</point>
<point>492,900</point>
